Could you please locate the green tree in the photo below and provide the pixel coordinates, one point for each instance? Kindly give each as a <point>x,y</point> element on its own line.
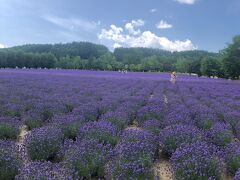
<point>47,60</point>
<point>210,66</point>
<point>182,65</point>
<point>194,67</point>
<point>231,59</point>
<point>77,62</point>
<point>3,58</point>
<point>151,64</point>
<point>106,62</point>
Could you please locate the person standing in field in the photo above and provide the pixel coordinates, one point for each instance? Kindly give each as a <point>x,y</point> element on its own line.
<point>173,77</point>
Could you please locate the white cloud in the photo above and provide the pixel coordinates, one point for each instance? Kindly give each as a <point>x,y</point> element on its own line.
<point>116,45</point>
<point>153,10</point>
<point>116,29</point>
<point>190,2</point>
<point>2,46</point>
<point>163,25</point>
<point>138,23</point>
<point>117,36</point>
<point>114,34</point>
<point>73,24</point>
<point>133,25</point>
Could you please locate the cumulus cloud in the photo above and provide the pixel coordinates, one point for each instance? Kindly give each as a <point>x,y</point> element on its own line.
<point>119,38</point>
<point>73,24</point>
<point>133,26</point>
<point>117,45</point>
<point>190,2</point>
<point>163,25</point>
<point>153,10</point>
<point>2,46</point>
<point>114,34</point>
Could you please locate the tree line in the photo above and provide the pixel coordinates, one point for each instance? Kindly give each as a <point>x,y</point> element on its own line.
<point>85,55</point>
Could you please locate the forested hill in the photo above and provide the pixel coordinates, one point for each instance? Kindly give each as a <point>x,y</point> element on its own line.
<point>85,55</point>
<point>139,53</point>
<point>85,50</point>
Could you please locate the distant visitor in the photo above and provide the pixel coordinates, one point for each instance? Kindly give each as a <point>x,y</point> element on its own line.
<point>173,77</point>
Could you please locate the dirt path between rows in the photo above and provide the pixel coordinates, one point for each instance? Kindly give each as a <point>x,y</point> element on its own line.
<point>23,133</point>
<point>165,99</point>
<point>163,168</point>
<point>134,125</point>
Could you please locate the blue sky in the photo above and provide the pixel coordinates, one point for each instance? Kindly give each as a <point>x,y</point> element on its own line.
<point>174,25</point>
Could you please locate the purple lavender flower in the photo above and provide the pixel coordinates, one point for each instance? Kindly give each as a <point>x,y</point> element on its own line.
<point>135,135</point>
<point>220,134</point>
<point>154,126</point>
<point>133,156</point>
<point>32,119</point>
<point>204,116</point>
<point>13,109</point>
<point>119,119</point>
<point>237,130</point>
<point>237,175</point>
<point>10,159</point>
<point>45,170</point>
<point>89,111</point>
<point>132,160</point>
<point>9,128</point>
<point>174,136</point>
<point>87,157</point>
<point>46,110</point>
<point>133,150</point>
<point>196,161</point>
<point>44,143</point>
<point>105,106</point>
<point>129,107</point>
<point>178,115</point>
<point>232,157</point>
<point>232,117</point>
<point>102,131</point>
<point>139,168</point>
<point>150,112</point>
<point>69,124</point>
<point>40,114</point>
<point>67,99</point>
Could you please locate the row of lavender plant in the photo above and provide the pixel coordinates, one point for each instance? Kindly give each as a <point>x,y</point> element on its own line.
<point>78,126</point>
<point>199,137</point>
<point>94,124</point>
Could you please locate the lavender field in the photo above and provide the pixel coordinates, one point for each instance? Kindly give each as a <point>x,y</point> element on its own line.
<point>70,124</point>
